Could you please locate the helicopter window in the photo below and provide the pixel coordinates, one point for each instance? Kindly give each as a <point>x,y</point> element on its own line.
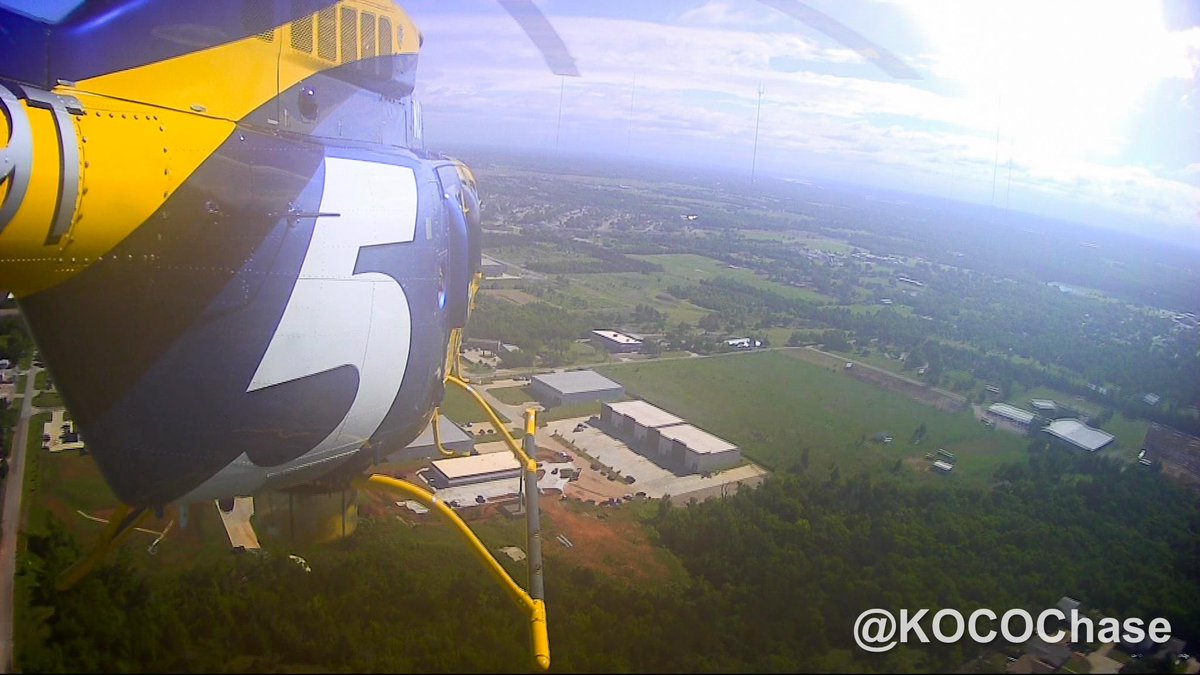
<point>349,35</point>
<point>368,35</point>
<point>49,12</point>
<point>302,34</point>
<point>327,34</point>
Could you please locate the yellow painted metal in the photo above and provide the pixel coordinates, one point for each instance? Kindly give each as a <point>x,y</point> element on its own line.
<point>437,435</point>
<point>530,421</point>
<point>133,157</point>
<point>536,609</point>
<point>526,460</point>
<point>262,69</point>
<point>143,133</point>
<point>121,525</point>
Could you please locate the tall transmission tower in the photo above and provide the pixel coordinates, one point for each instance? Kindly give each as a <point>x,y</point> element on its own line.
<point>757,119</point>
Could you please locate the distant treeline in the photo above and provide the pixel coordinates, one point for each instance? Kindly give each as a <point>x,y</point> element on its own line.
<point>774,580</point>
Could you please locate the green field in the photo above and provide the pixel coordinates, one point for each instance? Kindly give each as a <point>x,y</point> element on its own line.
<point>621,291</point>
<point>774,406</point>
<point>688,268</point>
<point>48,399</point>
<point>563,412</point>
<point>512,395</point>
<point>461,408</point>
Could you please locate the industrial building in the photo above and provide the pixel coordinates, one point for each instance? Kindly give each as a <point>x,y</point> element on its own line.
<point>453,439</point>
<point>573,387</point>
<point>473,469</point>
<point>695,450</point>
<point>1078,434</point>
<point>1043,405</point>
<point>617,343</point>
<point>631,421</point>
<point>1011,413</point>
<point>492,268</point>
<point>667,438</point>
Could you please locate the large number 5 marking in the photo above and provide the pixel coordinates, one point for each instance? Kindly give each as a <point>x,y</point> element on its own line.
<point>335,317</point>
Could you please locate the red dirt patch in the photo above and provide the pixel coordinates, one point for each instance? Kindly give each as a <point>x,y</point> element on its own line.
<point>615,545</point>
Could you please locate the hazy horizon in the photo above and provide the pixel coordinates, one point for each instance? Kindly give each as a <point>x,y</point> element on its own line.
<point>1034,109</point>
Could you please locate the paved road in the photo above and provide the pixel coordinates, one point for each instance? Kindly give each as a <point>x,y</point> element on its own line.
<point>10,521</point>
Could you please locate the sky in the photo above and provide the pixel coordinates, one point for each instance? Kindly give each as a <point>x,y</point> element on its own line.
<point>1087,110</point>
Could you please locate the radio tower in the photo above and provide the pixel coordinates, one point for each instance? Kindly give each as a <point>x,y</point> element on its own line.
<point>757,118</point>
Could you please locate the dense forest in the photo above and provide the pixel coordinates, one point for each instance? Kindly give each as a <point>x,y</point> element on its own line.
<point>773,581</point>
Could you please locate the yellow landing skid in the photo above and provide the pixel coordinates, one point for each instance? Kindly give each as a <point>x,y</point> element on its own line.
<point>534,601</point>
<point>124,521</point>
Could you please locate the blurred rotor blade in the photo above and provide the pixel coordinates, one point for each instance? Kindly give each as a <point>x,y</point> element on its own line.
<point>547,40</point>
<point>887,61</point>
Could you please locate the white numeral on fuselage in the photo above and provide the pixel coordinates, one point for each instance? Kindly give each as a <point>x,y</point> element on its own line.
<point>335,317</point>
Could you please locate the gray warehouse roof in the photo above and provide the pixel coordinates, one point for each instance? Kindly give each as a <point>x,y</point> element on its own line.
<point>645,414</point>
<point>697,440</point>
<point>576,381</point>
<point>1011,412</point>
<point>449,431</point>
<point>1079,434</point>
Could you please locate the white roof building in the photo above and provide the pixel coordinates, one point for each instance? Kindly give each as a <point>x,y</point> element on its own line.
<point>620,338</point>
<point>644,414</point>
<point>1011,412</point>
<point>1079,434</point>
<point>697,440</point>
<point>476,468</point>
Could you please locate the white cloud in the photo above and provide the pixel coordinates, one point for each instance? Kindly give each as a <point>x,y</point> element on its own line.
<point>694,88</point>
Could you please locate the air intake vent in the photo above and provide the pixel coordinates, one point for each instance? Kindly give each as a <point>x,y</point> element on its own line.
<point>302,35</point>
<point>327,34</point>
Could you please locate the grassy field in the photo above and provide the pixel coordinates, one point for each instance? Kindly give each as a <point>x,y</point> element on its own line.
<point>461,408</point>
<point>512,395</point>
<point>688,268</point>
<point>567,411</point>
<point>48,399</point>
<point>39,380</point>
<point>624,290</point>
<point>775,406</point>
